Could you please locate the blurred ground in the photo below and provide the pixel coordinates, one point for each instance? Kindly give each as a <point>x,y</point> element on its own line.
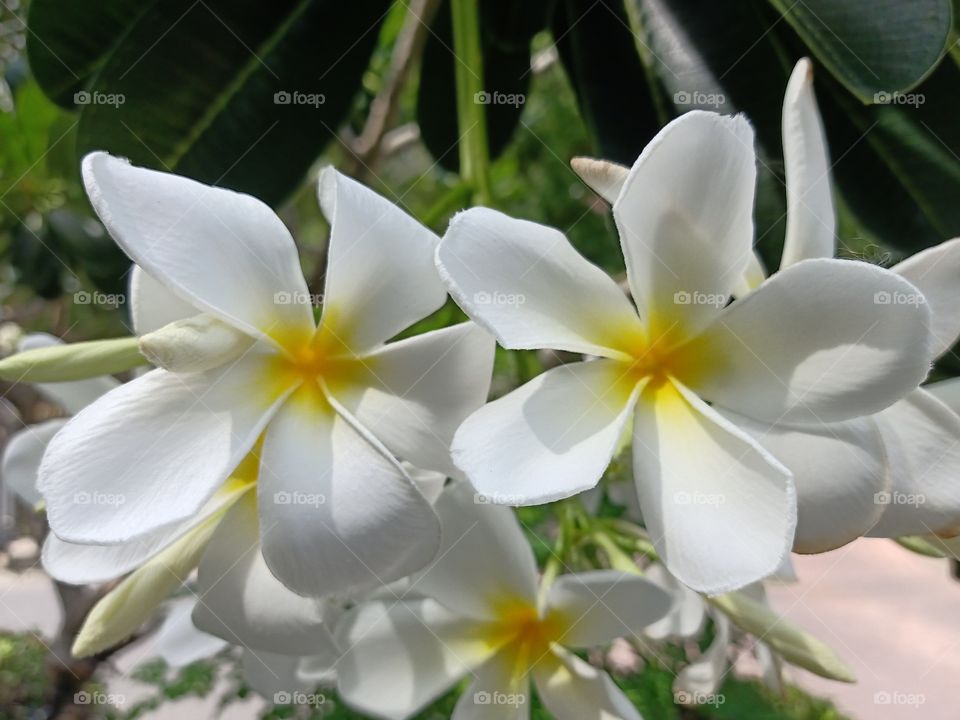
<point>891,614</point>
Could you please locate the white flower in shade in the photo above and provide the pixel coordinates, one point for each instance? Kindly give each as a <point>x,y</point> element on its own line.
<point>24,450</point>
<point>476,613</point>
<point>242,359</point>
<point>809,346</point>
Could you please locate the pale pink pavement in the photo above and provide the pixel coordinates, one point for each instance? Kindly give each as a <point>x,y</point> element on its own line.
<point>893,616</point>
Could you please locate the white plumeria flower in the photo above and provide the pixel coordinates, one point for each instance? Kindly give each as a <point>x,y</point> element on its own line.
<point>243,359</point>
<point>24,450</point>
<point>477,614</point>
<point>839,468</point>
<point>808,346</point>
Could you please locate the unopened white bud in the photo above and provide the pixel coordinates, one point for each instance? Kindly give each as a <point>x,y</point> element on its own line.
<point>195,344</point>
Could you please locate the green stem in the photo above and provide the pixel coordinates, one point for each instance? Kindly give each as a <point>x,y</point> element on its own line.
<point>471,115</point>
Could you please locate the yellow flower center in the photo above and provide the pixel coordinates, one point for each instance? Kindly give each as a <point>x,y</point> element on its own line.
<point>522,631</point>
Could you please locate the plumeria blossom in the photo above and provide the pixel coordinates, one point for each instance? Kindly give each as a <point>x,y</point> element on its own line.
<point>476,613</point>
<point>809,345</point>
<point>24,450</point>
<point>330,406</point>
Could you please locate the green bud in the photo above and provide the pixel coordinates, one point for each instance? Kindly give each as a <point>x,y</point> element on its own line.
<point>74,361</point>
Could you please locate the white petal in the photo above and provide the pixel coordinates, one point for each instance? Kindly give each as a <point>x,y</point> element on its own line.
<point>605,178</point>
<point>399,657</point>
<point>528,286</point>
<point>922,438</point>
<point>337,514</point>
<point>222,251</point>
<point>936,273</point>
<point>838,469</point>
<point>687,617</point>
<point>274,676</point>
<point>720,510</point>
<point>548,439</point>
<point>125,608</point>
<point>82,564</point>
<point>421,389</point>
<point>153,305</point>
<point>72,396</point>
<point>499,691</point>
<point>242,602</point>
<point>484,556</point>
<point>428,482</point>
<point>572,689</point>
<point>600,605</point>
<point>704,677</point>
<point>685,217</point>
<point>178,641</point>
<point>380,272</point>
<point>22,457</point>
<point>151,452</point>
<point>811,221</point>
<point>823,340</point>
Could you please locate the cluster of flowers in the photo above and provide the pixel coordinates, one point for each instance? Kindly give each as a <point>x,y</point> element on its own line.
<point>336,488</point>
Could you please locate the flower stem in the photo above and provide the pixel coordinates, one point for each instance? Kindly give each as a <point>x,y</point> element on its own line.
<point>471,115</point>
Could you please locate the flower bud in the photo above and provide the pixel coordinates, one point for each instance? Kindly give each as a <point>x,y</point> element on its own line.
<point>195,344</point>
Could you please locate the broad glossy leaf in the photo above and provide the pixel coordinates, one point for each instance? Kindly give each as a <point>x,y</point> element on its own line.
<point>872,46</point>
<point>243,95</point>
<point>69,41</point>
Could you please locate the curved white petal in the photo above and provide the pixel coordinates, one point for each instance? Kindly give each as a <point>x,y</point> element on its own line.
<point>600,605</point>
<point>820,341</point>
<point>73,396</point>
<point>701,679</point>
<point>528,286</point>
<point>838,469</point>
<point>22,457</point>
<point>484,556</point>
<point>572,689</point>
<point>224,252</point>
<point>922,437</point>
<point>936,273</point>
<point>720,510</point>
<point>153,304</point>
<point>605,178</point>
<point>178,641</point>
<point>151,452</point>
<point>547,440</point>
<point>82,564</point>
<point>421,389</point>
<point>124,609</point>
<point>685,217</point>
<point>811,221</point>
<point>686,618</point>
<point>242,602</point>
<point>400,656</point>
<point>337,514</point>
<point>499,691</point>
<point>380,272</point>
